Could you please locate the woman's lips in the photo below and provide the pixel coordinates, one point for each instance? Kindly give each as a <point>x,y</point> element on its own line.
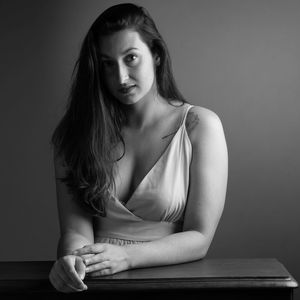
<point>127,89</point>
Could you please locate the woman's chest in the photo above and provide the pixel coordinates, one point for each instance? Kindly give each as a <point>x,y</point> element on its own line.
<point>141,154</point>
<point>155,187</point>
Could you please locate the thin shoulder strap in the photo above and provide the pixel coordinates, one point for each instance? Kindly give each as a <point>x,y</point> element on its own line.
<point>185,114</point>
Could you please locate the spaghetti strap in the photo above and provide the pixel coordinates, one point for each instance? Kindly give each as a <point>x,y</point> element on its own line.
<point>185,114</point>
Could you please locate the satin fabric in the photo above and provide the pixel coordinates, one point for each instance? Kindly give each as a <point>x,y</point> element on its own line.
<point>156,207</point>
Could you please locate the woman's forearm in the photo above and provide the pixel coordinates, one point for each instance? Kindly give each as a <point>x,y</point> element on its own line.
<point>71,241</point>
<point>176,248</point>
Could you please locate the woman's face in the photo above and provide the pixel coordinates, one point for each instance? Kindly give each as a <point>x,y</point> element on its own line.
<point>128,66</point>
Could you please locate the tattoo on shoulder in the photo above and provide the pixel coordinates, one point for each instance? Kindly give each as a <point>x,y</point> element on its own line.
<point>192,121</point>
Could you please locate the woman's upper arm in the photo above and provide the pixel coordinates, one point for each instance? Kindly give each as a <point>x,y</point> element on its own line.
<point>72,218</point>
<point>208,172</point>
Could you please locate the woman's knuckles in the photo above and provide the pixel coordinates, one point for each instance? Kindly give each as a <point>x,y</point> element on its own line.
<point>96,259</point>
<point>65,259</point>
<point>95,267</point>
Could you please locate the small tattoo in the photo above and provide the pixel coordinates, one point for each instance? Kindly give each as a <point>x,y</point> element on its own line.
<point>192,121</point>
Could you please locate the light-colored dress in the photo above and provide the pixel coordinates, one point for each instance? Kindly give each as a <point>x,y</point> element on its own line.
<point>156,207</point>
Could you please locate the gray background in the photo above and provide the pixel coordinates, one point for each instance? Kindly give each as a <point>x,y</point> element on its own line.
<point>239,58</point>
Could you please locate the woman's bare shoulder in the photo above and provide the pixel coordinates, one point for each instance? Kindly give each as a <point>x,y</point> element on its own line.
<point>201,121</point>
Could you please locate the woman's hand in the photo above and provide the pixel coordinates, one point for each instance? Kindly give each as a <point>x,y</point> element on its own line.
<point>107,259</point>
<point>67,274</point>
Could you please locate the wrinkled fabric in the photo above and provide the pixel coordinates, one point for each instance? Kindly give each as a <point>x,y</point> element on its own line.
<point>156,207</point>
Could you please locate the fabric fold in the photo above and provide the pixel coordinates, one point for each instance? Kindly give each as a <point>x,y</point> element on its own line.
<point>156,207</point>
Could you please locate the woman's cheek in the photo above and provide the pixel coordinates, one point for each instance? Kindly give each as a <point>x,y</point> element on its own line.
<point>110,83</point>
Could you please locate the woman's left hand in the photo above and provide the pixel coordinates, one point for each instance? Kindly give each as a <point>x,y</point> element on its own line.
<point>107,259</point>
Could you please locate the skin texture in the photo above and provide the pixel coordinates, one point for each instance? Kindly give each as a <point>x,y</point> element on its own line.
<point>150,127</point>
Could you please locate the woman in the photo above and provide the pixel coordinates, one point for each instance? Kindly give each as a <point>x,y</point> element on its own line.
<point>141,174</point>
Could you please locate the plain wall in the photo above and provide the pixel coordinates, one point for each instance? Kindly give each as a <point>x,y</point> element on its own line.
<point>239,58</point>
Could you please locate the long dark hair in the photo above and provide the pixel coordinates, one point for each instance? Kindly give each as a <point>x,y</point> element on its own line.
<point>91,127</point>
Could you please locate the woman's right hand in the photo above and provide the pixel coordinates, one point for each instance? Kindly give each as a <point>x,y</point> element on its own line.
<point>67,274</point>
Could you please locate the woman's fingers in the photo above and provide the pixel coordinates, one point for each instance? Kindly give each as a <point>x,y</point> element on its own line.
<point>84,256</point>
<point>64,284</point>
<point>60,281</point>
<point>96,258</point>
<point>100,266</point>
<point>102,272</point>
<point>66,274</point>
<point>70,274</point>
<point>111,258</point>
<point>80,267</point>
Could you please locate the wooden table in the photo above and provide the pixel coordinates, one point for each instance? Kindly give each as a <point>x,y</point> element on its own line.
<point>203,279</point>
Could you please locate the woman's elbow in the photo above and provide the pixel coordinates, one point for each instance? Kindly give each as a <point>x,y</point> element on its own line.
<point>203,244</point>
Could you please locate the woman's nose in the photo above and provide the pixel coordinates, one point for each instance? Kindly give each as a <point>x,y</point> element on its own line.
<point>123,75</point>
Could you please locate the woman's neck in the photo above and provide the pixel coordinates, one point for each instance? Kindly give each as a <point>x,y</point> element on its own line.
<point>145,112</point>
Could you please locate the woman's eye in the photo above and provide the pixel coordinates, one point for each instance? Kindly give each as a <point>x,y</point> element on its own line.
<point>131,58</point>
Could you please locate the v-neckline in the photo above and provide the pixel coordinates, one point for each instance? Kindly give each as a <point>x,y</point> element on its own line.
<point>125,204</point>
<point>154,165</point>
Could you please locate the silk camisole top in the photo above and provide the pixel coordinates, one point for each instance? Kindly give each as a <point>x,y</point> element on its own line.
<point>156,207</point>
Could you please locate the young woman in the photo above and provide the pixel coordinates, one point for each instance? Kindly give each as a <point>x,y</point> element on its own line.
<point>141,174</point>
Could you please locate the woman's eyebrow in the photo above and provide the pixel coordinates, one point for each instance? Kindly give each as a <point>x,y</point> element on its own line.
<point>124,52</point>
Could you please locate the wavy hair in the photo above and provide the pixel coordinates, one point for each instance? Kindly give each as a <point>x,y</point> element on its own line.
<point>91,126</point>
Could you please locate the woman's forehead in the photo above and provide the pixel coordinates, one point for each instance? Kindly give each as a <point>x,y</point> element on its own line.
<point>121,42</point>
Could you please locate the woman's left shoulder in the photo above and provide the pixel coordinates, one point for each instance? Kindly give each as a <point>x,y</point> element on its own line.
<point>202,123</point>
